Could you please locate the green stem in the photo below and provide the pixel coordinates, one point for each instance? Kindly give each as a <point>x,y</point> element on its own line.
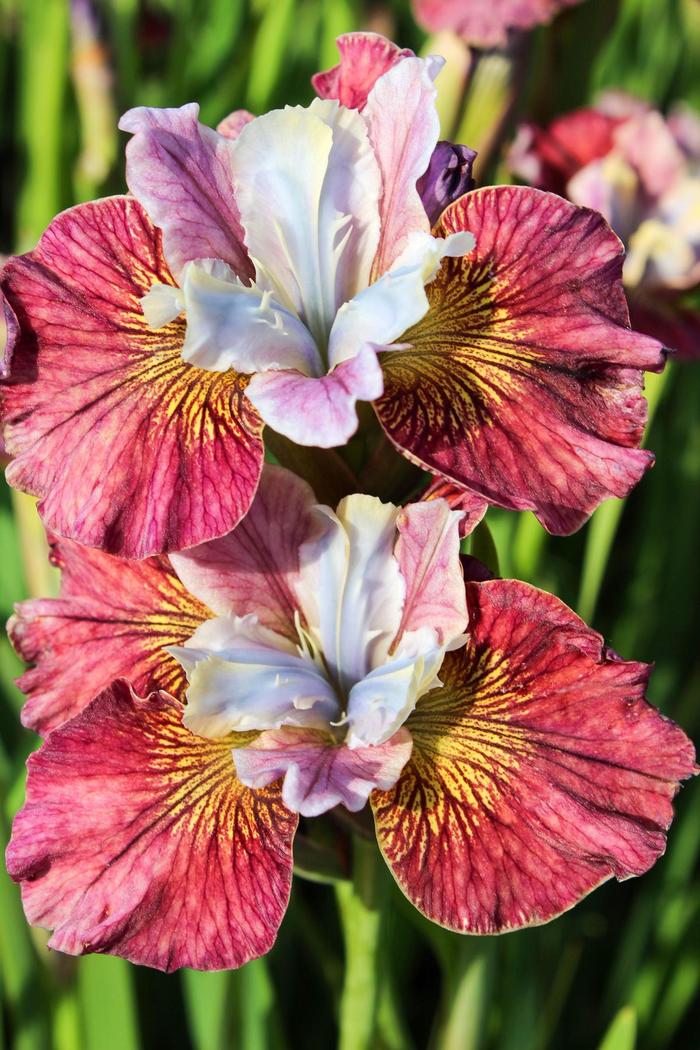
<point>467,980</point>
<point>603,526</point>
<point>360,918</point>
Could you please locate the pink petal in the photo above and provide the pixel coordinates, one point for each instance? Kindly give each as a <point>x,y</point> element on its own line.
<point>523,382</point>
<point>320,412</point>
<point>113,619</point>
<point>364,57</point>
<point>128,447</point>
<point>485,23</point>
<point>538,770</point>
<point>427,551</point>
<point>232,125</point>
<point>252,570</point>
<point>182,174</point>
<point>138,840</point>
<point>318,772</point>
<point>403,129</point>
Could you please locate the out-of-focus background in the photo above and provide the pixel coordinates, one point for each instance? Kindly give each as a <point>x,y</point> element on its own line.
<point>620,971</point>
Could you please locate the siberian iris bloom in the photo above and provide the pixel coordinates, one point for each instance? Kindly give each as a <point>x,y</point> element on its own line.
<point>486,23</point>
<point>642,172</point>
<point>283,268</point>
<point>196,706</point>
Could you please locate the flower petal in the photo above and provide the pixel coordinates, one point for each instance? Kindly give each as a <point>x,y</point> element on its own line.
<point>182,174</point>
<point>319,773</point>
<point>538,770</point>
<point>137,839</point>
<point>523,381</point>
<point>112,620</point>
<point>403,129</point>
<point>308,186</point>
<point>364,57</point>
<point>427,551</point>
<point>232,125</point>
<point>253,570</point>
<point>128,447</point>
<point>350,588</point>
<point>243,677</point>
<point>319,412</point>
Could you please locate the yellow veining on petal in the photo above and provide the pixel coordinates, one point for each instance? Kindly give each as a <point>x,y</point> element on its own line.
<point>465,756</point>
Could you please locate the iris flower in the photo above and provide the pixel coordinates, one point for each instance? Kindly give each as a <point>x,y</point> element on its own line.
<point>486,23</point>
<point>279,276</point>
<point>196,706</point>
<point>642,172</point>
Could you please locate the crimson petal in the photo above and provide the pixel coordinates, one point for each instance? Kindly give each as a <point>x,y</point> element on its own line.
<point>538,770</point>
<point>137,839</point>
<point>129,448</point>
<point>112,620</point>
<point>523,382</point>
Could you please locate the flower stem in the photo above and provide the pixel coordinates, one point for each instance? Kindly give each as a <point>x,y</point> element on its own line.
<point>360,918</point>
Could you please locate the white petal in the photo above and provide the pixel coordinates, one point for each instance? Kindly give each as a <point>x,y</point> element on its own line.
<point>243,676</point>
<point>381,702</point>
<point>380,314</point>
<point>351,589</point>
<point>308,188</point>
<point>231,325</point>
<point>162,304</point>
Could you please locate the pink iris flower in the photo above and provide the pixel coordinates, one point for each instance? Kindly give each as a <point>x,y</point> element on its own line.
<point>313,658</point>
<point>283,268</point>
<point>642,172</point>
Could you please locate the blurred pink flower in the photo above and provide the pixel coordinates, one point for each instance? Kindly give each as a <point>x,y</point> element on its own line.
<point>485,23</point>
<point>642,172</point>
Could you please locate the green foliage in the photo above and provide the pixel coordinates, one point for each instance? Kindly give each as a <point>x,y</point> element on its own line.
<point>620,972</point>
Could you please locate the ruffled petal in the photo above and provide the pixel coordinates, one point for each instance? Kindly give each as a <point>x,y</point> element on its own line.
<point>137,839</point>
<point>350,588</point>
<point>308,186</point>
<point>243,677</point>
<point>128,447</point>
<point>319,412</point>
<point>427,551</point>
<point>253,570</point>
<point>538,770</point>
<point>112,619</point>
<point>182,174</point>
<point>318,772</point>
<point>523,382</point>
<point>403,129</point>
<point>364,57</point>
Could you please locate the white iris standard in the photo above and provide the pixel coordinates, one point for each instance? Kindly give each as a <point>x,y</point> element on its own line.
<point>309,192</point>
<point>353,673</point>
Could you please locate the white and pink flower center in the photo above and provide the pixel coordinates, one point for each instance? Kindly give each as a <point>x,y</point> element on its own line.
<point>355,671</point>
<point>309,190</point>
